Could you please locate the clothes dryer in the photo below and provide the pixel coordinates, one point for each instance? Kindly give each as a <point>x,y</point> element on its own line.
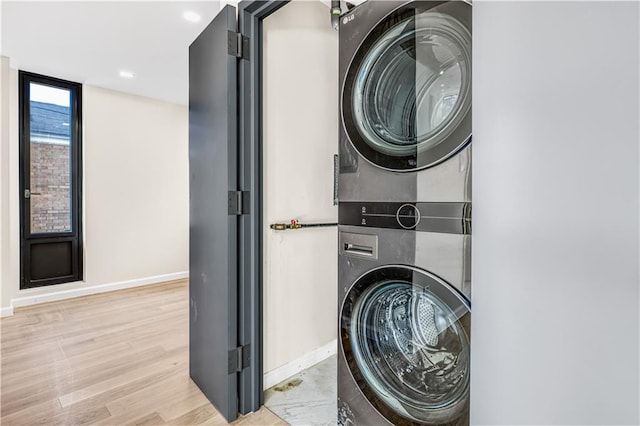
<point>405,106</point>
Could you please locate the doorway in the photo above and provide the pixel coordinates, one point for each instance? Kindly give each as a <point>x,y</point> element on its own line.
<point>227,226</point>
<point>299,141</point>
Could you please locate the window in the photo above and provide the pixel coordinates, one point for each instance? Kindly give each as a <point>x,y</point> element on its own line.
<point>50,169</point>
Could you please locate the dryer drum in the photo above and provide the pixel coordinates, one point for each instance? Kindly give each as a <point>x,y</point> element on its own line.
<point>407,334</point>
<point>407,94</point>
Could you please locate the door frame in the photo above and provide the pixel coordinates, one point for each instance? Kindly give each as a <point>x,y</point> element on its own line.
<point>251,13</point>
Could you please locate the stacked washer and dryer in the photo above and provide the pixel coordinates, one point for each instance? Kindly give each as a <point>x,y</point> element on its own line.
<point>405,213</point>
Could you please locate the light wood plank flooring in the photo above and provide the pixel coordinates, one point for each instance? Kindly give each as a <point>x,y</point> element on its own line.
<point>117,358</point>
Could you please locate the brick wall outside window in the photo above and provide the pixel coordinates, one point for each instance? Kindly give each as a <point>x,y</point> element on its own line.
<point>51,179</point>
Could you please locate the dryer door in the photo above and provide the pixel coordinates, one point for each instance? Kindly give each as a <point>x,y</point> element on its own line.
<point>405,335</point>
<point>406,98</point>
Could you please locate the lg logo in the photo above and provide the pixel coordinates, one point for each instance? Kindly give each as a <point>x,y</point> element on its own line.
<point>348,19</point>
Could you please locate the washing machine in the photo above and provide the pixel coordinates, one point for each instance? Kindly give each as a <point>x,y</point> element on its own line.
<point>405,104</point>
<point>405,317</point>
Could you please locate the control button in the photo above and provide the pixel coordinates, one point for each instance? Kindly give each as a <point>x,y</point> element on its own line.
<point>408,216</point>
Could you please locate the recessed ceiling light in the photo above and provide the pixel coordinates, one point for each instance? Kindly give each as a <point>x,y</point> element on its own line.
<point>191,16</point>
<point>126,74</point>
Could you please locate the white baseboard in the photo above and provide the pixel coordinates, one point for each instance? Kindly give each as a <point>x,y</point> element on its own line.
<point>86,291</point>
<point>273,377</point>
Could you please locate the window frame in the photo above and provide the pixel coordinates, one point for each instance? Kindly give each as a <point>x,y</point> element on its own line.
<point>75,236</point>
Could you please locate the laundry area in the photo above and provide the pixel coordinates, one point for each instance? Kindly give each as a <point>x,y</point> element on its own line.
<point>299,270</point>
<point>320,212</point>
<point>365,212</point>
<point>355,215</point>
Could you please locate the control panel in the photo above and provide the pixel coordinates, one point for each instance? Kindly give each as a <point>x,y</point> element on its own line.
<point>451,218</point>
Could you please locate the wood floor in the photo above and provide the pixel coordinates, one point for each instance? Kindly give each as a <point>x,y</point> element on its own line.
<point>114,359</point>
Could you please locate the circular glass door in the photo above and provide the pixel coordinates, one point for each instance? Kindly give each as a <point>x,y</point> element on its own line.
<point>406,100</point>
<point>405,335</point>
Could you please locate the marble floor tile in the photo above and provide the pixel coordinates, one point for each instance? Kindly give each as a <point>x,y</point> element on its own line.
<point>308,398</point>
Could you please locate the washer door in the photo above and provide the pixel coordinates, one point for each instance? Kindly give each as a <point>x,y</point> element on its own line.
<point>406,99</point>
<point>405,335</point>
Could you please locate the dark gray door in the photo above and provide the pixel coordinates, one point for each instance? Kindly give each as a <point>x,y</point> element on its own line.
<point>213,230</point>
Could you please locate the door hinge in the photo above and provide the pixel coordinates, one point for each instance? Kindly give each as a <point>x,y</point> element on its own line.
<point>239,359</point>
<point>238,202</point>
<point>238,45</point>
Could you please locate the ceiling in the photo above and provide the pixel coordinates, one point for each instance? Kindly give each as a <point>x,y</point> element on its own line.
<point>92,41</point>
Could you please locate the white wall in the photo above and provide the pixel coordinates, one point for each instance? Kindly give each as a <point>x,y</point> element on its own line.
<point>136,186</point>
<point>11,235</point>
<point>556,183</point>
<point>300,139</point>
<point>4,172</point>
<point>135,191</point>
